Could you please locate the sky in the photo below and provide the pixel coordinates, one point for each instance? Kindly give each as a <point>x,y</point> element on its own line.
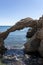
<point>11,11</point>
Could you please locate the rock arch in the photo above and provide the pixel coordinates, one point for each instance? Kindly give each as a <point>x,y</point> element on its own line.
<point>27,22</point>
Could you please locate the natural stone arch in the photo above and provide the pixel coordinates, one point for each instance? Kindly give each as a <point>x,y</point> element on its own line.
<point>19,25</point>
<point>27,22</point>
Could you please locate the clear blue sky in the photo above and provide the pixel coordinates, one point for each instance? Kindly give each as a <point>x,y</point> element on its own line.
<point>13,10</point>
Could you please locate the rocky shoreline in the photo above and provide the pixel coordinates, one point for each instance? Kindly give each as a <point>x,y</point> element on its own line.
<point>35,45</point>
<point>20,58</point>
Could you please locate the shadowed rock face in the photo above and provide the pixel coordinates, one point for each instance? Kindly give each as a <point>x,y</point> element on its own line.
<point>31,32</point>
<point>28,22</point>
<point>32,46</point>
<point>2,47</point>
<point>3,36</point>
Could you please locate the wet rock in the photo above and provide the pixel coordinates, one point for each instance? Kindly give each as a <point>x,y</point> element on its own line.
<point>2,47</point>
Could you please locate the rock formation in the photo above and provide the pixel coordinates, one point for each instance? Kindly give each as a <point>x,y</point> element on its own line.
<point>2,47</point>
<point>36,39</point>
<point>27,22</point>
<point>3,36</point>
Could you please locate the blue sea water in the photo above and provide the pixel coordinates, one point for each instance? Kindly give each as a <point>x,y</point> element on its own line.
<point>15,39</point>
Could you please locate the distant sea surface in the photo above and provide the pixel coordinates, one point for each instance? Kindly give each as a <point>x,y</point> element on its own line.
<point>15,39</point>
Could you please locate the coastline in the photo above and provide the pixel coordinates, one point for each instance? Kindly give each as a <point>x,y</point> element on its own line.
<point>17,57</point>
